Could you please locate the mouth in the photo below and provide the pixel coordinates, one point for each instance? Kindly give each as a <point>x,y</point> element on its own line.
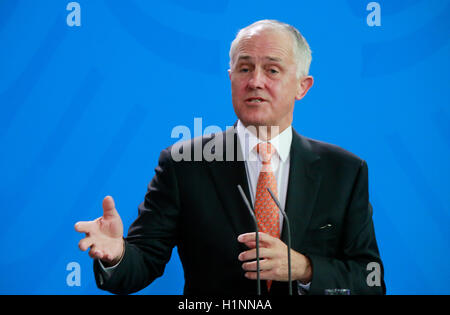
<point>255,100</point>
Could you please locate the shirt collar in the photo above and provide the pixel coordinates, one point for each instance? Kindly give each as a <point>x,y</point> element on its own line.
<point>248,141</point>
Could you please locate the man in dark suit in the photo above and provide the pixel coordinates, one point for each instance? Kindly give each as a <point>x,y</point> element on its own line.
<point>194,203</point>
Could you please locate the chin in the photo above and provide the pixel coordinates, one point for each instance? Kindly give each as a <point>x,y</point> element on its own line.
<point>254,118</point>
<point>253,121</point>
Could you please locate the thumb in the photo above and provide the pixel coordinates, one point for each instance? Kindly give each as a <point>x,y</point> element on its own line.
<point>109,207</point>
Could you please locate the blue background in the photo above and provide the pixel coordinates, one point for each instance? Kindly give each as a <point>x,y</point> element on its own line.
<point>85,111</point>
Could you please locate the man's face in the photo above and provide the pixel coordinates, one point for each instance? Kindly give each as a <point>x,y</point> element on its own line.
<point>263,78</point>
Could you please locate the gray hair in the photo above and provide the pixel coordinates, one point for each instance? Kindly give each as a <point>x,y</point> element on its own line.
<point>302,51</point>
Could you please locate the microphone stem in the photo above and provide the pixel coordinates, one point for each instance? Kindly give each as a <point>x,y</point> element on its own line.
<point>286,219</point>
<point>258,281</point>
<point>252,214</point>
<point>289,257</point>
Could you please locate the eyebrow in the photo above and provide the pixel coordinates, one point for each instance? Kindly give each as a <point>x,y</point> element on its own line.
<point>244,57</point>
<point>276,59</point>
<point>247,57</point>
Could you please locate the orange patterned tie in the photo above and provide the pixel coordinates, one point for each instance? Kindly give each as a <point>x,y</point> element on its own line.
<point>266,210</point>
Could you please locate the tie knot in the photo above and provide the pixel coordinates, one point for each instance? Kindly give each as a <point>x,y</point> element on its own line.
<point>265,151</point>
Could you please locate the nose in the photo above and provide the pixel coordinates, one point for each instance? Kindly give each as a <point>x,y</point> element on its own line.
<point>256,80</point>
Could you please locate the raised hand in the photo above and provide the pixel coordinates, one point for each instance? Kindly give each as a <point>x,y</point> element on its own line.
<point>104,235</point>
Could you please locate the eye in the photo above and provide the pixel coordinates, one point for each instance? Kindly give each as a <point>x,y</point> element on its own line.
<point>244,69</point>
<point>273,71</point>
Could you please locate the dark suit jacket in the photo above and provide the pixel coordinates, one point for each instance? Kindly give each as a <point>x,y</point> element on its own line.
<point>196,206</point>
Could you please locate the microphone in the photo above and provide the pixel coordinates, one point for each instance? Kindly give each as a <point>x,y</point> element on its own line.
<point>250,209</point>
<point>288,237</point>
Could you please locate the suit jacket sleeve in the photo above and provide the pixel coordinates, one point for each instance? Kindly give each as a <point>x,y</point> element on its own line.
<point>151,237</point>
<point>349,271</point>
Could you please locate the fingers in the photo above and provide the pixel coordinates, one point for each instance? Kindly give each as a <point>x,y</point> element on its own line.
<point>264,264</point>
<point>264,238</point>
<point>263,275</point>
<point>109,207</point>
<point>105,257</point>
<point>89,242</point>
<point>252,244</point>
<point>251,254</point>
<point>85,243</point>
<point>272,253</point>
<point>84,226</point>
<point>269,269</point>
<point>97,250</point>
<point>96,253</point>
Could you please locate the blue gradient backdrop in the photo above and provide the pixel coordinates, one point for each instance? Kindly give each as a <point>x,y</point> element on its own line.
<point>85,111</point>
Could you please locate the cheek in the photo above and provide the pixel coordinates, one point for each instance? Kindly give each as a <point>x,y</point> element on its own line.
<point>284,93</point>
<point>237,87</point>
<point>283,99</point>
<point>275,91</point>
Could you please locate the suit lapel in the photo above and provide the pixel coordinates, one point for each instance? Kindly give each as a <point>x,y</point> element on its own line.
<point>226,176</point>
<point>303,185</point>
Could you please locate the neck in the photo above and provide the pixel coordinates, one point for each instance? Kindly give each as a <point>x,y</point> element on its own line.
<point>265,133</point>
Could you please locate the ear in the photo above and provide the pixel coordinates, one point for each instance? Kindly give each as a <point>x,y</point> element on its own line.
<point>304,84</point>
<point>229,73</point>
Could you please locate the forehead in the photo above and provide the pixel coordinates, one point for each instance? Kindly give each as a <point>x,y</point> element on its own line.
<point>265,44</point>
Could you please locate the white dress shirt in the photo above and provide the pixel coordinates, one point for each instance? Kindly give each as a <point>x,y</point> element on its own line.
<point>280,163</point>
